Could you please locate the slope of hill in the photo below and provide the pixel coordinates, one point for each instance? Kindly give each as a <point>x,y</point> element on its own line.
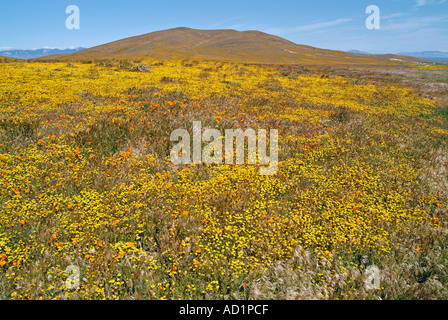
<point>232,45</point>
<point>7,59</point>
<point>36,53</point>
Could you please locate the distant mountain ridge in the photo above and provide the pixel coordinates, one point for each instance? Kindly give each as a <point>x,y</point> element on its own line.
<point>358,52</point>
<point>36,53</point>
<point>430,54</point>
<point>434,56</point>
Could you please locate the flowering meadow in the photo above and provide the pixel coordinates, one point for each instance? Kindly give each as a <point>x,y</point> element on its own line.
<point>86,180</point>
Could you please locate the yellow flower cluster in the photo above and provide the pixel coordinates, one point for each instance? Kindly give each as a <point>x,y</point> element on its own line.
<point>85,176</point>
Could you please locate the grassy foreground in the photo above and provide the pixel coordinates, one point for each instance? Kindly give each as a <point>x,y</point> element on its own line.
<point>86,181</point>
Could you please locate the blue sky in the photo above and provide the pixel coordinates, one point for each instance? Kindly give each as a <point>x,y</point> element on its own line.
<point>406,25</point>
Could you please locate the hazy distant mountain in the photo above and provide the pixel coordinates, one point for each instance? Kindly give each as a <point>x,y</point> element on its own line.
<point>36,53</point>
<point>358,52</point>
<point>436,56</point>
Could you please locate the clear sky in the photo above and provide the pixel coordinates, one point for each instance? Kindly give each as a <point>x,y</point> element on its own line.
<point>405,25</point>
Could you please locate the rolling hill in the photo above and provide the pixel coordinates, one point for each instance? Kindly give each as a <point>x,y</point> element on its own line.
<point>231,45</point>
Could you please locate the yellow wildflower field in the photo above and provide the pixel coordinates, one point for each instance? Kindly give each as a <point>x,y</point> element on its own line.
<point>86,181</point>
